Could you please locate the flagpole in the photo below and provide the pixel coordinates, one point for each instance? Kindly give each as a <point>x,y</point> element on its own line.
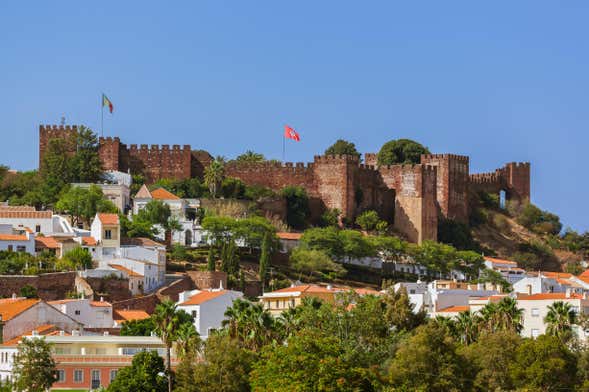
<point>102,116</point>
<point>283,148</point>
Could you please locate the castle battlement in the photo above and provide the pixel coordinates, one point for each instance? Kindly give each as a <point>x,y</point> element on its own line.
<point>330,159</point>
<point>452,157</point>
<point>62,128</point>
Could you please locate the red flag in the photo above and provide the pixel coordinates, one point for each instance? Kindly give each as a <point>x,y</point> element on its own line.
<point>290,133</point>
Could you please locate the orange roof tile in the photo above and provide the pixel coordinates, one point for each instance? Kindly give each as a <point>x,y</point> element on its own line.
<point>89,241</point>
<point>47,329</point>
<point>128,315</point>
<point>143,193</point>
<point>26,214</point>
<point>62,301</point>
<point>545,296</point>
<point>129,272</point>
<point>109,219</point>
<point>16,208</point>
<point>289,236</point>
<point>365,291</point>
<point>500,261</point>
<point>203,297</point>
<point>162,194</point>
<point>556,275</point>
<point>11,307</point>
<point>13,237</point>
<point>100,304</point>
<point>454,309</point>
<point>46,242</point>
<point>585,273</point>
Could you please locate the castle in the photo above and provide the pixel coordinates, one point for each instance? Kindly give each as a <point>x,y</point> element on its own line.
<point>412,197</point>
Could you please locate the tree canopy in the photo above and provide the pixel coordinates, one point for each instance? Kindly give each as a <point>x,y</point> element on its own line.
<point>342,147</point>
<point>401,151</point>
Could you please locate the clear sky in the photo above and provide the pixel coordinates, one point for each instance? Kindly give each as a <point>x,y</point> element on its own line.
<point>502,81</point>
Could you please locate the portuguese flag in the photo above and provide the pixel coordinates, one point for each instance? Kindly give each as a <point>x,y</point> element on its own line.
<point>107,102</point>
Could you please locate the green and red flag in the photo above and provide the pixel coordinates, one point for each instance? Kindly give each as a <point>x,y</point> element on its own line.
<point>107,102</point>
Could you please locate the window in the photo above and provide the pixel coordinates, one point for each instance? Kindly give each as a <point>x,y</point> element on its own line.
<point>95,384</point>
<point>107,234</point>
<point>77,312</point>
<point>61,376</point>
<point>194,314</point>
<point>38,229</point>
<point>412,291</point>
<point>535,312</point>
<point>535,332</point>
<point>277,304</point>
<point>78,375</point>
<point>113,374</point>
<point>21,248</point>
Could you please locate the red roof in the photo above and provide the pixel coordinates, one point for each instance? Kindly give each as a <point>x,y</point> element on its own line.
<point>46,329</point>
<point>26,214</point>
<point>11,307</point>
<point>128,315</point>
<point>162,194</point>
<point>500,261</point>
<point>89,241</point>
<point>454,309</point>
<point>46,242</point>
<point>109,219</point>
<point>13,237</point>
<point>203,297</point>
<point>126,270</point>
<point>100,304</point>
<point>289,236</point>
<point>545,296</point>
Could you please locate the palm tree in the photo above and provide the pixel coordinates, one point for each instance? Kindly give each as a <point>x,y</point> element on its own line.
<point>250,323</point>
<point>167,320</point>
<point>214,174</point>
<point>560,319</point>
<point>467,327</point>
<point>187,340</point>
<point>510,316</point>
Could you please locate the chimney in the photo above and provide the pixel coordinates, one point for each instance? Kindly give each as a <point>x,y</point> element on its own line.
<point>105,333</point>
<point>13,295</point>
<point>101,299</point>
<point>62,333</point>
<point>329,287</point>
<point>568,292</point>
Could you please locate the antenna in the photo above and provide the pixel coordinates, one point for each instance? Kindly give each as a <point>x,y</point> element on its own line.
<point>62,122</point>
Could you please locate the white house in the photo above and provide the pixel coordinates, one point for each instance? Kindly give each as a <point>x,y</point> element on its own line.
<point>16,240</point>
<point>26,217</point>
<point>507,268</point>
<point>92,314</point>
<point>106,230</point>
<point>207,307</point>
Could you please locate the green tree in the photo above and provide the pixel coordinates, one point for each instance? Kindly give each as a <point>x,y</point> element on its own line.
<point>83,204</point>
<point>229,258</point>
<point>429,361</point>
<point>401,151</point>
<point>343,147</point>
<point>543,364</point>
<point>214,175</point>
<point>324,239</point>
<point>77,258</point>
<point>211,260</point>
<point>86,164</point>
<point>309,362</point>
<point>250,323</point>
<point>226,368</point>
<point>28,291</point>
<point>168,320</point>
<point>400,312</point>
<point>308,261</point>
<point>368,220</point>
<point>492,355</point>
<point>218,228</point>
<point>297,206</point>
<point>34,367</point>
<point>144,375</point>
<point>56,170</point>
<point>250,157</point>
<point>560,320</point>
<point>265,259</point>
<point>138,327</point>
<point>232,188</point>
<point>467,327</point>
<point>331,217</point>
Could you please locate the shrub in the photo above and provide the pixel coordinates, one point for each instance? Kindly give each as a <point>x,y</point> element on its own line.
<point>368,220</point>
<point>297,206</point>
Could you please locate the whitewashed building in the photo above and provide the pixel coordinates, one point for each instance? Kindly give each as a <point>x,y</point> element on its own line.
<point>92,314</point>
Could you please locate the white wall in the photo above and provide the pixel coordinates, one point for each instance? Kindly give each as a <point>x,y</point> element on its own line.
<point>37,315</point>
<point>90,316</point>
<point>211,314</point>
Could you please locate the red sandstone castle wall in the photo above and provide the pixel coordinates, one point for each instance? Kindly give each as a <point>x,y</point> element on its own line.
<point>513,178</point>
<point>452,184</point>
<point>48,132</point>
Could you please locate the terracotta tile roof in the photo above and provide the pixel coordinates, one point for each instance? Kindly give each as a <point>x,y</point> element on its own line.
<point>16,208</point>
<point>100,304</point>
<point>546,296</point>
<point>143,193</point>
<point>62,301</point>
<point>454,309</point>
<point>289,236</point>
<point>13,237</point>
<point>89,241</point>
<point>365,291</point>
<point>19,214</point>
<point>129,272</point>
<point>203,297</point>
<point>585,273</point>
<point>500,261</point>
<point>128,315</point>
<point>555,275</point>
<point>47,329</point>
<point>28,229</point>
<point>11,307</point>
<point>109,219</point>
<point>140,241</point>
<point>46,242</point>
<point>162,194</point>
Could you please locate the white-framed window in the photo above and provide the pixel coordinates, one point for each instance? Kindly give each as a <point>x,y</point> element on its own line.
<point>107,234</point>
<point>535,332</point>
<point>61,375</point>
<point>535,312</point>
<point>78,375</point>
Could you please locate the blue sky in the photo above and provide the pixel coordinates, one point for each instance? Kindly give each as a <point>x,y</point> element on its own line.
<point>502,81</point>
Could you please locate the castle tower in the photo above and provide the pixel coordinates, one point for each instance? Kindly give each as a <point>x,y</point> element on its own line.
<point>64,132</point>
<point>517,179</point>
<point>452,184</point>
<point>109,151</point>
<point>335,181</point>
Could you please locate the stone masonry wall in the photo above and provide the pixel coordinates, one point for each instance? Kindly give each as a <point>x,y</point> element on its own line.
<point>49,287</point>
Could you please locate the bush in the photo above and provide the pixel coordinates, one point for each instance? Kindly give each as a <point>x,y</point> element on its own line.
<point>343,147</point>
<point>500,222</point>
<point>535,219</point>
<point>330,217</point>
<point>456,234</point>
<point>297,206</point>
<point>401,151</point>
<point>232,188</point>
<point>368,220</point>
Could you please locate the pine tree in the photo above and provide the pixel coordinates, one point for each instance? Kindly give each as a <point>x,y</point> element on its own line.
<point>211,260</point>
<point>264,259</point>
